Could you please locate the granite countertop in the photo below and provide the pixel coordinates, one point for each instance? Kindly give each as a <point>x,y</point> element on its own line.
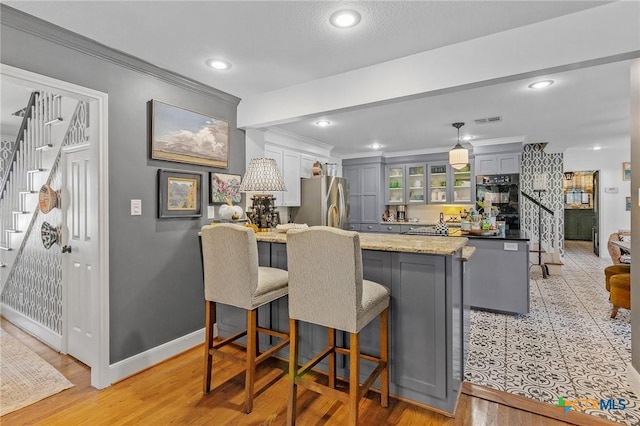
<point>467,252</point>
<point>444,246</point>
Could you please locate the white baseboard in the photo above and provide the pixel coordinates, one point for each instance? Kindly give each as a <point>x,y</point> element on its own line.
<point>633,377</point>
<point>144,360</point>
<point>39,331</point>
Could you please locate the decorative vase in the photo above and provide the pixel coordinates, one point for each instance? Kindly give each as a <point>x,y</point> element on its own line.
<point>230,212</point>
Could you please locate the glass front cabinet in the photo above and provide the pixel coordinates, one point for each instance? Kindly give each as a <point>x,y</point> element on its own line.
<point>462,182</point>
<point>416,180</point>
<point>450,186</point>
<point>438,183</point>
<point>395,185</point>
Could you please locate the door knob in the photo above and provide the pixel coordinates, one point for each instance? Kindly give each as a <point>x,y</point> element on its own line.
<point>66,249</point>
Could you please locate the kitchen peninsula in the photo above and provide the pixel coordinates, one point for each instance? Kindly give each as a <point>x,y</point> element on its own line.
<point>429,313</point>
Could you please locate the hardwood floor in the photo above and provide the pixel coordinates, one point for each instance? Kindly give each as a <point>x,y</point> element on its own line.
<point>171,393</point>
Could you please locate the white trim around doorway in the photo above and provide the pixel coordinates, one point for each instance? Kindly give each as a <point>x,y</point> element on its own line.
<point>100,377</point>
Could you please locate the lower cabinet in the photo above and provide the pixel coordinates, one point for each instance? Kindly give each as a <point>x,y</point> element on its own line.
<point>578,224</point>
<point>426,323</point>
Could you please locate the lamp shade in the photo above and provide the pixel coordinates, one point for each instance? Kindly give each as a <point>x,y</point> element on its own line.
<point>458,157</point>
<point>262,175</point>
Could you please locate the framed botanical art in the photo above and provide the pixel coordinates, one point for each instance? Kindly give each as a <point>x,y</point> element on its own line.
<point>179,194</point>
<point>223,188</point>
<point>628,204</point>
<point>184,136</point>
<point>626,171</point>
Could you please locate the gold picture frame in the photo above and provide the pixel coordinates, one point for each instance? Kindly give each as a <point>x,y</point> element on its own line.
<point>185,136</point>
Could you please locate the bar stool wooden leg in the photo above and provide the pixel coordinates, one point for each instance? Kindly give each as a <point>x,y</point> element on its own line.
<point>210,319</point>
<point>250,374</point>
<point>354,378</point>
<point>293,371</point>
<point>614,311</point>
<point>332,358</point>
<point>384,356</point>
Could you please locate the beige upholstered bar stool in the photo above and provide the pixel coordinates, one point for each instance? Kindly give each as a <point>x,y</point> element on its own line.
<point>232,277</point>
<point>326,288</point>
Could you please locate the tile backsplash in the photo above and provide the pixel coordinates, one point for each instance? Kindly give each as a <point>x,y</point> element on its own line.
<point>431,213</point>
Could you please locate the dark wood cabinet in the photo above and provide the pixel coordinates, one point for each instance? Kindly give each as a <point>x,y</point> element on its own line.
<point>578,224</point>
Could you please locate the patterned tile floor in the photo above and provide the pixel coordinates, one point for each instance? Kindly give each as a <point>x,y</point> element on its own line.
<point>567,346</point>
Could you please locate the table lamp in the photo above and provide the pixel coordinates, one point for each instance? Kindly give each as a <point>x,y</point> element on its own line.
<point>263,175</point>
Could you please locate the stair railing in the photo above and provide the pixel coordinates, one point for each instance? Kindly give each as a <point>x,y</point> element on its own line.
<point>550,237</point>
<point>18,144</point>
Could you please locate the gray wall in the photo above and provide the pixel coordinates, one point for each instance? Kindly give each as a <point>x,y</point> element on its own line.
<point>155,283</point>
<point>635,215</point>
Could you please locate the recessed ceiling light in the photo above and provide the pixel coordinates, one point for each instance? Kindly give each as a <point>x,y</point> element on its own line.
<point>345,18</point>
<point>219,64</point>
<point>597,148</point>
<point>375,145</point>
<point>323,123</point>
<point>467,138</point>
<point>541,84</point>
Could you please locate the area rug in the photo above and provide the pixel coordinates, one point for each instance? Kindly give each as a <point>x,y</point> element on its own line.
<point>566,351</point>
<point>25,378</point>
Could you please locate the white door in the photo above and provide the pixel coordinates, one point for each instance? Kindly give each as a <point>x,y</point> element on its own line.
<point>80,201</point>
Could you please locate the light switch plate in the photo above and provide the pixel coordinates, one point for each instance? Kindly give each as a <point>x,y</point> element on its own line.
<point>136,207</point>
<point>511,246</point>
<point>211,212</point>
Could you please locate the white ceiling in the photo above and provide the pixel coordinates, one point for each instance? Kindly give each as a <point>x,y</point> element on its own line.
<point>277,44</point>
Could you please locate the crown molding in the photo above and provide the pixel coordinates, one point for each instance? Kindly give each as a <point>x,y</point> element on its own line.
<point>45,30</point>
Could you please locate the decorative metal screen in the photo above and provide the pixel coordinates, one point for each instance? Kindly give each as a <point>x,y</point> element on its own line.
<point>34,287</point>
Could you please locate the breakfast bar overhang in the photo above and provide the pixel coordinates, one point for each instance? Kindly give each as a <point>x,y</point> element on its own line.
<point>429,313</point>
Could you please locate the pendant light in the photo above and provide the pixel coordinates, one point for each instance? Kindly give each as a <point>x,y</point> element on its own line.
<point>458,156</point>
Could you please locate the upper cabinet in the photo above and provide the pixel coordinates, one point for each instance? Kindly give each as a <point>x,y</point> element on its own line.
<point>463,190</point>
<point>364,190</point>
<point>448,185</point>
<point>290,166</point>
<point>497,164</point>
<point>416,182</point>
<point>439,183</point>
<point>395,185</point>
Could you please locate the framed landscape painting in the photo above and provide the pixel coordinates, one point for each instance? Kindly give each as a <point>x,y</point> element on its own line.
<point>184,136</point>
<point>626,171</point>
<point>223,187</point>
<point>179,194</point>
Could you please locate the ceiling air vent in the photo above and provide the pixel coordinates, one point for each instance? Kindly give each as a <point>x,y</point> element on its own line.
<point>488,120</point>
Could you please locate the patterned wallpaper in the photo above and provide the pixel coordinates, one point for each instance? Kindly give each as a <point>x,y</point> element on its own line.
<point>537,162</point>
<point>37,272</point>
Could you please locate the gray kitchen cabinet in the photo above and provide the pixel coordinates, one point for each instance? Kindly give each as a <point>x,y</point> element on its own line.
<point>405,184</point>
<point>497,164</point>
<point>428,322</point>
<point>390,228</point>
<point>418,344</point>
<point>366,227</point>
<point>504,292</point>
<point>364,193</point>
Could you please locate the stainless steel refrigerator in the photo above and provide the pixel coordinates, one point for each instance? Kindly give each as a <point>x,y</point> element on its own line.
<point>324,201</point>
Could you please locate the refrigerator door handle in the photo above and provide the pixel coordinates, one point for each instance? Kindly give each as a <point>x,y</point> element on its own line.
<point>333,218</point>
<point>342,204</point>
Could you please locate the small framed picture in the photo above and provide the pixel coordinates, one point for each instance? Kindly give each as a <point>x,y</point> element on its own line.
<point>626,171</point>
<point>223,188</point>
<point>179,194</point>
<point>628,204</point>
